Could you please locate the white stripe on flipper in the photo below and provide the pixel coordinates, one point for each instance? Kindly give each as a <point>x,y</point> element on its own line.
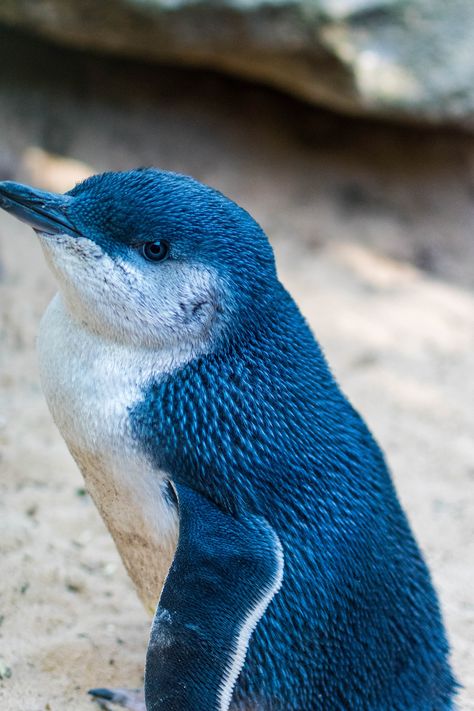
<point>256,613</point>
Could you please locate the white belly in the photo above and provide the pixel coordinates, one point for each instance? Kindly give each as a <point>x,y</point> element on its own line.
<point>90,384</point>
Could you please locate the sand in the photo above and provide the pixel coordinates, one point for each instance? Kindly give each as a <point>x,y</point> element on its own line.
<point>372,228</point>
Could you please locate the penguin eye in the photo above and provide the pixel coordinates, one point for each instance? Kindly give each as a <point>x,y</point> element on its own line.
<point>155,251</point>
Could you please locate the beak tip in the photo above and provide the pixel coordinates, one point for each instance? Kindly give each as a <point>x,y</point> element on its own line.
<point>42,211</point>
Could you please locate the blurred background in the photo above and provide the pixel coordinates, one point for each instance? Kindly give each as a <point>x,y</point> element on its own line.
<point>346,127</point>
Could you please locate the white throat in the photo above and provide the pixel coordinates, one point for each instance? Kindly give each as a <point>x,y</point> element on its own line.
<point>91,384</point>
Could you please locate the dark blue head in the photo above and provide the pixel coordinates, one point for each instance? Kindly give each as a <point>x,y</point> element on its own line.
<point>151,256</point>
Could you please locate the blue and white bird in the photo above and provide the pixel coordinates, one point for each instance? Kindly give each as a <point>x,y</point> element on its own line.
<point>249,502</point>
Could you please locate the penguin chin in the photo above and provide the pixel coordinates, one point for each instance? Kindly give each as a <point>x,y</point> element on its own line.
<point>178,306</point>
<point>57,247</point>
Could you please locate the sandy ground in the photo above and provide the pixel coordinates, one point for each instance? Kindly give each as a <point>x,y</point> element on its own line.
<point>372,229</point>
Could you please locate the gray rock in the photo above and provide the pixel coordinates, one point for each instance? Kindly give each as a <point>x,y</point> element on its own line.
<point>399,59</point>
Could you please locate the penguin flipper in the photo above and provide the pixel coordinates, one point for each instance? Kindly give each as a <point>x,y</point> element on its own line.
<point>224,574</point>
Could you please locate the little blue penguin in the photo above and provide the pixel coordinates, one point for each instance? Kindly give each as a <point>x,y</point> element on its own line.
<point>249,502</point>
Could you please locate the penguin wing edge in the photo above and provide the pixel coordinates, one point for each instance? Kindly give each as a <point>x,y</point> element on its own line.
<point>224,575</point>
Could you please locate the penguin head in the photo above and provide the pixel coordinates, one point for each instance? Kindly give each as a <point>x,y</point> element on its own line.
<point>151,257</point>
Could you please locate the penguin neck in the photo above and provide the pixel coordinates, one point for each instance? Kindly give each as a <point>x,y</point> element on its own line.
<point>163,358</point>
<point>222,422</point>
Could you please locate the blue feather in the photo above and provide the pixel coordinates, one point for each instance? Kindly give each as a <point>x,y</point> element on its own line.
<point>259,425</point>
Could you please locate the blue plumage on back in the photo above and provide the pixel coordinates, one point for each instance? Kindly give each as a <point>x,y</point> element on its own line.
<point>261,426</point>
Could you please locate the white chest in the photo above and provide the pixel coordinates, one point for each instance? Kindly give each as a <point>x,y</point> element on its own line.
<point>90,386</point>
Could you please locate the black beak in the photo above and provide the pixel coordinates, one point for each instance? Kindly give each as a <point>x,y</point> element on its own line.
<point>44,212</point>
